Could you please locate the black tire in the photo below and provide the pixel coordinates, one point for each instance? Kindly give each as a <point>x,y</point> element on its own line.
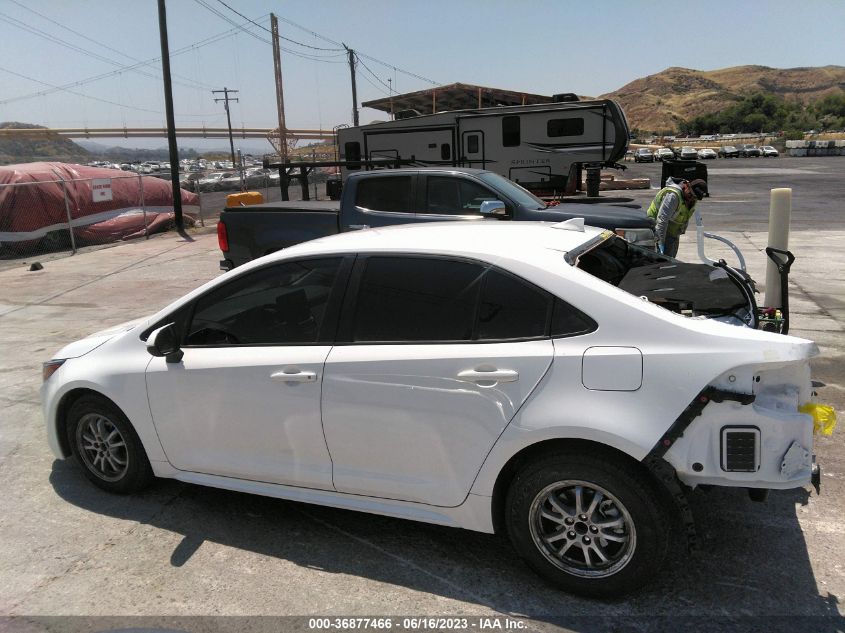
<point>639,543</point>
<point>99,433</point>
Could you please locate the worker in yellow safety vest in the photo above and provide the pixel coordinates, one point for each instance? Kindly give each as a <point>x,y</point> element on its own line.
<point>672,209</point>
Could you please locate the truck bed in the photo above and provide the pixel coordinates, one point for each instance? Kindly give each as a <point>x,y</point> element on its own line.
<point>300,206</point>
<point>256,229</point>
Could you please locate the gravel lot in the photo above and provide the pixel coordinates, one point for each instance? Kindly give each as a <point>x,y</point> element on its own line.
<point>68,549</point>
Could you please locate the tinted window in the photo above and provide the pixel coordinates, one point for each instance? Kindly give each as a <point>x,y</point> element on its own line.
<point>569,321</point>
<point>416,299</point>
<point>565,127</point>
<point>392,193</point>
<point>282,304</point>
<point>472,144</point>
<point>352,152</point>
<point>455,196</point>
<point>445,151</point>
<point>510,308</point>
<point>510,131</point>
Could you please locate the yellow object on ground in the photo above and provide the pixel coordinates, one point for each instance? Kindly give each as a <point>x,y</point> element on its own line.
<point>824,417</point>
<point>244,198</point>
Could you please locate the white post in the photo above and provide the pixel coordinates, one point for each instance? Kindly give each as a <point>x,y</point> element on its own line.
<point>69,216</point>
<point>780,210</point>
<point>143,205</point>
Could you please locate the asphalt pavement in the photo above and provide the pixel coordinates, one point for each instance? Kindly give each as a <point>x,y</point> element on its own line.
<point>67,548</point>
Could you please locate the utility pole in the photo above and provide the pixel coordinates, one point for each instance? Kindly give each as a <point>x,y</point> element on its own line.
<point>280,95</point>
<point>226,99</point>
<point>351,54</point>
<point>171,122</point>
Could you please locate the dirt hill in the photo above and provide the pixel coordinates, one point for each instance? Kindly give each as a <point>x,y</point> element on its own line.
<point>23,149</point>
<point>657,102</point>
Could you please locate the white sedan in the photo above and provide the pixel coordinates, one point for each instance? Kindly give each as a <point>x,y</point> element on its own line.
<point>552,382</point>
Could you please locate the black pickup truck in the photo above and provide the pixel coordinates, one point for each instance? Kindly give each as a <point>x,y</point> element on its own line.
<point>399,196</point>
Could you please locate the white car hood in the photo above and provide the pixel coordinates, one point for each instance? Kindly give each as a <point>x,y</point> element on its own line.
<point>92,342</point>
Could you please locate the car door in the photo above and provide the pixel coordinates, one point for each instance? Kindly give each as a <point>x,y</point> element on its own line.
<point>447,198</point>
<point>381,200</point>
<point>435,356</point>
<point>245,399</point>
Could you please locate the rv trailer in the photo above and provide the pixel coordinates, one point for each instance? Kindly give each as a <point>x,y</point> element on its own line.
<point>540,146</point>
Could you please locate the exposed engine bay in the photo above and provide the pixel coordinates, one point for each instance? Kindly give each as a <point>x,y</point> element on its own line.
<point>694,290</point>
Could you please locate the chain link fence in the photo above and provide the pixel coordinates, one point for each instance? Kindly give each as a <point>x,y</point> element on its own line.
<point>57,217</point>
<point>212,192</point>
<point>60,216</point>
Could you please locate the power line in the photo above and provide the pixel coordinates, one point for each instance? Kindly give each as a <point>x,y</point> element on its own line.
<point>82,35</point>
<point>367,68</point>
<point>213,39</point>
<point>324,38</point>
<point>52,38</point>
<point>365,78</point>
<point>310,57</point>
<point>397,69</point>
<point>373,59</point>
<point>81,94</point>
<point>282,37</point>
<point>232,22</point>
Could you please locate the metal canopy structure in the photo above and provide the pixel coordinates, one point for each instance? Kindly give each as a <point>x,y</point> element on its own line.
<point>454,97</point>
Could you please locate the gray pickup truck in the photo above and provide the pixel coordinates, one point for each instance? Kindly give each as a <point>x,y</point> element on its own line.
<point>399,196</point>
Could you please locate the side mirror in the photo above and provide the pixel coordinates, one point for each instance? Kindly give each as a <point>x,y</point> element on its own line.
<point>493,207</point>
<point>164,342</point>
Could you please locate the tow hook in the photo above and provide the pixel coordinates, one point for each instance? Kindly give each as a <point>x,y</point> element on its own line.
<point>816,477</point>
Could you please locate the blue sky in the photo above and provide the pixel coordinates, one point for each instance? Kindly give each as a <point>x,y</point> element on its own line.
<point>536,46</point>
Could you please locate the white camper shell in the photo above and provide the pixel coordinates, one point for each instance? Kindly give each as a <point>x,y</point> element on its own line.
<point>538,146</point>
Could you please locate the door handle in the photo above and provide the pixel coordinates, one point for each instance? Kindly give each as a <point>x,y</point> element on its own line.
<point>493,375</point>
<point>358,227</point>
<point>294,376</point>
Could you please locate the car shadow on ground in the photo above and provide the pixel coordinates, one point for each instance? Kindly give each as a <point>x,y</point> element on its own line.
<point>753,559</point>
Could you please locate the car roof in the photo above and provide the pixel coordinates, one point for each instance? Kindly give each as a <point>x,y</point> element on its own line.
<point>482,238</point>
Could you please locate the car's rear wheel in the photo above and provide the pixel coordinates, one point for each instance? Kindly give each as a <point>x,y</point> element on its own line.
<point>106,446</point>
<point>590,524</point>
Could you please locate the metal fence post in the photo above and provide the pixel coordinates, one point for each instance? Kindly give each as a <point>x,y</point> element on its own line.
<point>69,218</point>
<point>199,199</point>
<point>143,205</point>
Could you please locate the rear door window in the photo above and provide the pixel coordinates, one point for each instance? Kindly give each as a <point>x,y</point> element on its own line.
<point>416,299</point>
<point>512,309</point>
<point>389,193</point>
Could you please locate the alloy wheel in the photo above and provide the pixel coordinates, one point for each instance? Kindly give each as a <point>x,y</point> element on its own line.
<point>582,529</point>
<point>102,447</point>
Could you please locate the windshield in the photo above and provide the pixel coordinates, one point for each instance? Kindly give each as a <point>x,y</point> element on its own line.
<point>512,190</point>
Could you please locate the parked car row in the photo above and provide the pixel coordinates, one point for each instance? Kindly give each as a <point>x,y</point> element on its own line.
<point>645,155</point>
<point>228,180</point>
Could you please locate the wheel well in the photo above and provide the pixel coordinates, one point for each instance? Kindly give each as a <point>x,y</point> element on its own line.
<point>65,404</point>
<point>506,475</point>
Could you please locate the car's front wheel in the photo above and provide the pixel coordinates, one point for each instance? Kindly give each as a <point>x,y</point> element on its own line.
<point>106,446</point>
<point>589,524</point>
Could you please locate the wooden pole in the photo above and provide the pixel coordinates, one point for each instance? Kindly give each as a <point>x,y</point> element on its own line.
<point>280,95</point>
